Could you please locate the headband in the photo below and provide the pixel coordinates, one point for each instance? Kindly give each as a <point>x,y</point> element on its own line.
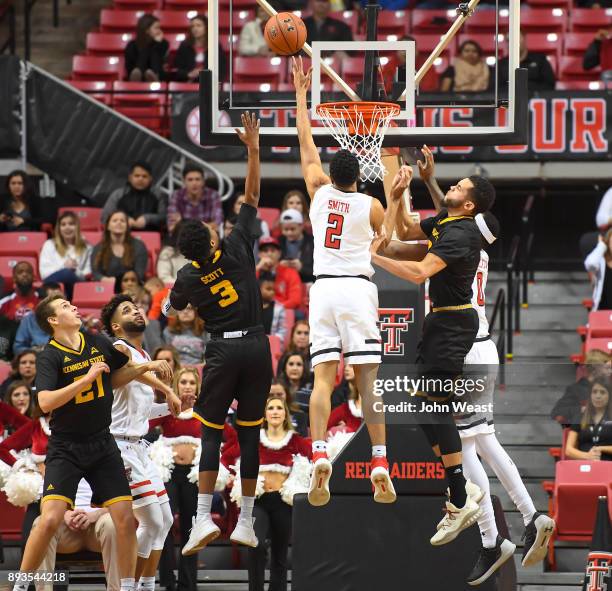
<point>484,229</point>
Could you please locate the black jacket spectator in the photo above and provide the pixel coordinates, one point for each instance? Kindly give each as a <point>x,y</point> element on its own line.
<point>185,62</point>
<point>539,71</point>
<point>145,56</point>
<point>19,207</point>
<point>599,52</point>
<point>325,28</point>
<point>567,408</point>
<point>305,257</point>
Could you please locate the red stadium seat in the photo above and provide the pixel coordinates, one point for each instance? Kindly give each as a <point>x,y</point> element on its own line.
<point>251,87</point>
<point>543,20</point>
<point>351,18</point>
<point>146,5</point>
<point>576,43</point>
<point>275,349</point>
<point>590,19</point>
<point>22,243</point>
<point>144,102</point>
<point>106,44</point>
<point>7,263</point>
<point>152,240</point>
<point>580,85</point>
<point>600,324</point>
<point>483,21</point>
<point>91,67</point>
<point>92,294</point>
<point>432,21</point>
<point>200,5</point>
<point>176,87</point>
<point>393,22</point>
<point>547,43</point>
<point>269,215</point>
<point>174,21</point>
<point>93,237</point>
<point>570,68</point>
<point>603,344</point>
<point>119,21</point>
<point>5,370</point>
<point>426,43</point>
<point>487,42</point>
<point>101,91</point>
<point>238,19</point>
<point>89,217</point>
<point>259,69</point>
<point>12,520</point>
<point>563,4</point>
<point>85,312</point>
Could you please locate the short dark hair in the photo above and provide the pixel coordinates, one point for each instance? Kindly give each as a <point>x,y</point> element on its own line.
<point>266,276</point>
<point>141,164</point>
<point>493,225</point>
<point>44,311</point>
<point>344,168</point>
<point>232,218</point>
<point>49,285</point>
<point>191,167</point>
<point>482,193</point>
<point>109,310</point>
<point>194,241</point>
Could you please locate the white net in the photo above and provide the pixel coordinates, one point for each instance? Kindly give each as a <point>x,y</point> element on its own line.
<point>360,128</point>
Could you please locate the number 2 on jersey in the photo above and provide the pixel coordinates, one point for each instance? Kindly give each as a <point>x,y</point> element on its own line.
<point>227,292</point>
<point>333,235</point>
<point>480,297</point>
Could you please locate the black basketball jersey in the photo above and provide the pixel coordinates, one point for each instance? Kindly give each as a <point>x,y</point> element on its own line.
<point>456,240</point>
<point>89,412</point>
<point>224,291</point>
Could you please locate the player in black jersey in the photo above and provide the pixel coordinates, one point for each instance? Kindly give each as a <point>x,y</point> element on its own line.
<point>75,376</point>
<point>221,284</point>
<point>454,243</point>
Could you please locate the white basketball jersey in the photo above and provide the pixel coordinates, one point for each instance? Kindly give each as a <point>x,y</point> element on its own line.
<point>342,232</point>
<point>478,294</point>
<point>132,403</point>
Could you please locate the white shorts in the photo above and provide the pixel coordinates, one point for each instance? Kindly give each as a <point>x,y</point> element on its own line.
<point>343,319</point>
<point>146,485</point>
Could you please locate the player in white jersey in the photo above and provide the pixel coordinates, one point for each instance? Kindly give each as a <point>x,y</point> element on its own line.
<point>133,405</point>
<point>476,428</point>
<point>343,300</point>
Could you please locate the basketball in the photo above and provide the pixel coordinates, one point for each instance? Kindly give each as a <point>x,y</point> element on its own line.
<point>285,33</point>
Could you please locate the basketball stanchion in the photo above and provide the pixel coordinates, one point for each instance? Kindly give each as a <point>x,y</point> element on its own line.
<point>598,574</point>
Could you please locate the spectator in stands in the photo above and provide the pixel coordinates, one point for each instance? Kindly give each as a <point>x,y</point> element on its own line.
<point>145,56</point>
<point>29,334</point>
<point>299,341</point>
<point>349,415</point>
<point>65,258</point>
<point>195,201</point>
<point>296,377</point>
<point>599,266</point>
<point>18,304</point>
<point>287,283</point>
<point>539,71</point>
<point>118,252</point>
<point>187,335</point>
<point>469,72</point>
<point>299,419</point>
<point>591,438</point>
<point>294,199</point>
<point>23,369</point>
<point>297,247</point>
<point>251,41</point>
<point>192,54</point>
<point>273,313</point>
<point>170,260</point>
<point>599,52</point>
<point>19,396</point>
<point>144,206</point>
<point>346,388</point>
<point>129,283</point>
<point>19,206</point>
<point>170,354</point>
<point>11,418</point>
<point>597,365</point>
<point>259,229</point>
<point>158,291</point>
<point>321,27</point>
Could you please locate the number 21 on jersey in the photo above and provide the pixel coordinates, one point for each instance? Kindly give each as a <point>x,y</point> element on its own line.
<point>333,234</point>
<point>87,394</point>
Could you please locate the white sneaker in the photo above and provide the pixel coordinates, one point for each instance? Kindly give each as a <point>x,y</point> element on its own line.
<point>472,490</point>
<point>318,493</point>
<point>244,533</point>
<point>384,491</point>
<point>202,533</point>
<point>455,521</point>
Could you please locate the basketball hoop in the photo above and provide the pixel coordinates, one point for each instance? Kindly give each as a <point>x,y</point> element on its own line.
<point>360,128</point>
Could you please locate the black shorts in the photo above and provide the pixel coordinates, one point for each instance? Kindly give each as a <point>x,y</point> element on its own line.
<point>447,338</point>
<point>235,368</point>
<point>98,460</point>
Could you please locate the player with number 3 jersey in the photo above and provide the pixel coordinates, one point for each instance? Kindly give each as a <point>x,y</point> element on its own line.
<point>343,300</point>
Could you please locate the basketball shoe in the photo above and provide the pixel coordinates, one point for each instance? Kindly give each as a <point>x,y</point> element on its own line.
<point>384,491</point>
<point>318,493</point>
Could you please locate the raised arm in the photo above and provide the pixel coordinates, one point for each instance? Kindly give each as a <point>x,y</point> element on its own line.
<point>313,173</point>
<point>405,226</point>
<point>250,138</point>
<point>427,170</point>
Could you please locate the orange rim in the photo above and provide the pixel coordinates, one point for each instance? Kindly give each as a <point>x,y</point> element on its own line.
<point>367,109</point>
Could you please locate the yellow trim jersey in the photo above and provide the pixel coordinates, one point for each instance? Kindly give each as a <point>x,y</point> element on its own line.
<point>58,366</point>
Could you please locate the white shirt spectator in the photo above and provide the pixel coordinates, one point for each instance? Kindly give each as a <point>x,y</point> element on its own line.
<point>604,211</point>
<point>169,263</point>
<point>251,39</point>
<point>50,261</point>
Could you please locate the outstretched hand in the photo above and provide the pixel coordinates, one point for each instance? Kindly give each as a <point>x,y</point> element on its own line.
<point>250,136</point>
<point>427,168</point>
<point>401,181</point>
<point>301,79</point>
<point>380,241</point>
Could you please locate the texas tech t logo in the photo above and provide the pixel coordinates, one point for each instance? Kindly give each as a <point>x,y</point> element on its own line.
<point>599,571</point>
<point>392,322</point>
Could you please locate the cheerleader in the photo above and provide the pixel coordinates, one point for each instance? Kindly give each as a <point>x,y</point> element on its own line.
<point>284,470</point>
<point>11,417</point>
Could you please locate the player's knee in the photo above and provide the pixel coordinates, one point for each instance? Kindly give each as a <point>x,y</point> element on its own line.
<point>49,522</point>
<point>248,437</point>
<point>150,524</point>
<point>211,444</point>
<point>123,519</point>
<point>167,521</point>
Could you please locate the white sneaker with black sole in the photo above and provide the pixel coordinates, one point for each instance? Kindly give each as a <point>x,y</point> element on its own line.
<point>489,560</point>
<point>455,521</point>
<point>202,533</point>
<point>537,537</point>
<point>245,534</point>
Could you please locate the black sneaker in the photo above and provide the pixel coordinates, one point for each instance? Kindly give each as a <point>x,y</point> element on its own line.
<point>489,560</point>
<point>537,536</point>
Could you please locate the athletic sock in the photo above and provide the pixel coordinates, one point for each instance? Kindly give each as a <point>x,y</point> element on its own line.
<point>319,446</point>
<point>204,504</point>
<point>246,510</point>
<point>146,584</point>
<point>128,584</point>
<point>456,483</point>
<point>379,451</point>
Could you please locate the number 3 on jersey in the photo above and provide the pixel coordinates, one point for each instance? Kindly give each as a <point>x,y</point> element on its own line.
<point>333,235</point>
<point>227,292</point>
